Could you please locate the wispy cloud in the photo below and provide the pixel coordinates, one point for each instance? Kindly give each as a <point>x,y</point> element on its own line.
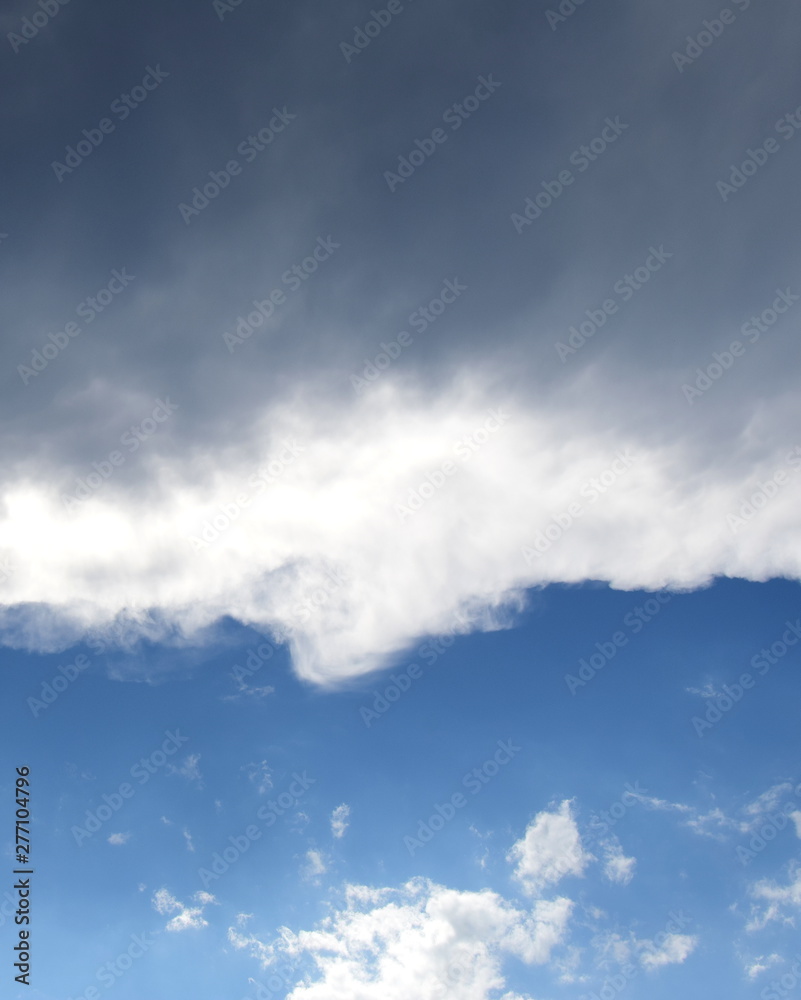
<point>189,769</point>
<point>186,917</point>
<point>340,820</point>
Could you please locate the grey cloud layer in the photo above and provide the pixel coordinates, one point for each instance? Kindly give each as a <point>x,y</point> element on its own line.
<point>322,177</point>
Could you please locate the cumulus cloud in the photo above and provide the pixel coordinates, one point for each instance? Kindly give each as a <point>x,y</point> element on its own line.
<point>119,838</point>
<point>550,849</point>
<point>419,940</point>
<point>673,950</point>
<point>668,947</point>
<point>340,820</point>
<point>186,917</point>
<point>617,867</point>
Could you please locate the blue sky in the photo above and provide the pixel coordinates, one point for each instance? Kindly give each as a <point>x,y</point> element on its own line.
<point>399,533</point>
<point>616,770</point>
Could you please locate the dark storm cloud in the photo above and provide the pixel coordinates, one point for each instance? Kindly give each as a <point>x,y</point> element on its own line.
<point>487,182</point>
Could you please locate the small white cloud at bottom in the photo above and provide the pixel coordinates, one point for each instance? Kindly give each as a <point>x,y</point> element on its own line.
<point>422,939</point>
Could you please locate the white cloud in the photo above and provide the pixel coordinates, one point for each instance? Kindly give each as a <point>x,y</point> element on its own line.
<point>770,800</point>
<point>707,691</point>
<point>617,867</point>
<point>249,691</point>
<point>709,824</point>
<point>550,849</point>
<point>188,838</point>
<point>339,820</point>
<point>119,838</point>
<point>186,917</point>
<point>314,867</point>
<point>672,951</point>
<point>661,805</point>
<point>776,899</point>
<point>322,558</point>
<point>264,953</point>
<point>189,769</point>
<point>299,822</point>
<point>421,940</point>
<point>761,964</point>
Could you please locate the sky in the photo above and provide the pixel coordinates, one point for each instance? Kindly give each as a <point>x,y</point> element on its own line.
<point>399,533</point>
